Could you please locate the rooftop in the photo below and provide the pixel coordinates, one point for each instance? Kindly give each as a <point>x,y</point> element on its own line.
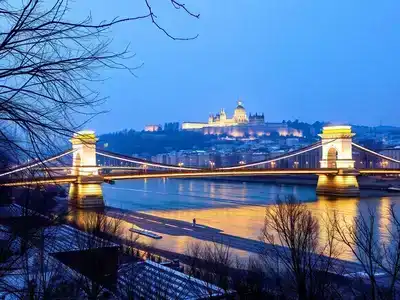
<point>65,238</point>
<point>154,281</point>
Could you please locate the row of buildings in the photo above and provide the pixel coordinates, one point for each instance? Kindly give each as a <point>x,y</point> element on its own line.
<point>216,159</point>
<point>211,159</point>
<point>239,125</point>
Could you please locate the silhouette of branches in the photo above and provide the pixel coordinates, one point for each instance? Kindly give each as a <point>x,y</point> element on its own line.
<point>48,66</point>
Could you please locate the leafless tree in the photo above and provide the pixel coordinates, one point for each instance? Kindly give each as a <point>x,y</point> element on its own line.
<point>98,263</point>
<point>27,269</point>
<point>215,263</point>
<point>48,65</point>
<point>379,258</point>
<point>293,257</point>
<point>211,262</point>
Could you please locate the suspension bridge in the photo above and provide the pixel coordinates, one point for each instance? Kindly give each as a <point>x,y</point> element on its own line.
<point>337,174</point>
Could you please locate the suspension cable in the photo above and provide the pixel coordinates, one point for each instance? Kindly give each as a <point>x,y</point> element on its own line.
<point>376,153</point>
<point>284,156</point>
<point>38,163</point>
<point>142,161</point>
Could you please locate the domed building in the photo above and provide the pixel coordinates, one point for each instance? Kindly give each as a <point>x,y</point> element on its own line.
<point>239,125</point>
<point>240,115</point>
<point>221,119</point>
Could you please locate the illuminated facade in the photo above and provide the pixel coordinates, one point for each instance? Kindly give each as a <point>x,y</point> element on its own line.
<point>152,128</point>
<point>240,125</point>
<point>337,154</point>
<point>86,192</point>
<point>337,147</point>
<point>84,155</point>
<point>221,119</point>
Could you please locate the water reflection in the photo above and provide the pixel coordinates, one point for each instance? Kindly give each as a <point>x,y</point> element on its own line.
<point>233,209</point>
<point>384,219</point>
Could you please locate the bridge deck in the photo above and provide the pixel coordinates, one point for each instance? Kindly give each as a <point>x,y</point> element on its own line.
<point>40,180</point>
<point>141,174</point>
<point>219,173</point>
<point>379,171</point>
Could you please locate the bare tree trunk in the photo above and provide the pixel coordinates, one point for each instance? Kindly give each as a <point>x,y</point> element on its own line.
<point>292,253</point>
<point>48,66</point>
<point>375,257</point>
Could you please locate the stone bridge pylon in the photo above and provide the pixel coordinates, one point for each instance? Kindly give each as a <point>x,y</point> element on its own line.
<point>337,153</point>
<point>86,192</point>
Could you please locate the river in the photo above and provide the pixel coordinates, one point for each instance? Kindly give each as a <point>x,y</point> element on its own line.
<point>233,208</point>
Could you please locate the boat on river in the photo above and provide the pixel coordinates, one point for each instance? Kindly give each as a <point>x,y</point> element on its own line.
<point>146,233</point>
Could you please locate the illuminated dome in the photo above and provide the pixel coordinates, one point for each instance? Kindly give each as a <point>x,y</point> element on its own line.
<point>240,113</point>
<point>240,106</point>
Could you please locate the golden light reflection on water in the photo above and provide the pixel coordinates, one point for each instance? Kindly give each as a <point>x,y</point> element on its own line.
<point>384,219</point>
<point>247,221</point>
<point>324,210</point>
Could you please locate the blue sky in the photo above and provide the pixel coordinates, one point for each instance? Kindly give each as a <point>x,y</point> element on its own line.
<point>311,60</point>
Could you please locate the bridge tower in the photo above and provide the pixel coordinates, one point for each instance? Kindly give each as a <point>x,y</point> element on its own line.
<point>337,154</point>
<point>86,192</point>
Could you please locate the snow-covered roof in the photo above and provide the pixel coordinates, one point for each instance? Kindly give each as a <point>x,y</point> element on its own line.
<point>15,210</point>
<point>150,280</point>
<point>65,238</point>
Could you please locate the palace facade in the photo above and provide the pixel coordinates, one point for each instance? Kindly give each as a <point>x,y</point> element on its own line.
<point>240,125</point>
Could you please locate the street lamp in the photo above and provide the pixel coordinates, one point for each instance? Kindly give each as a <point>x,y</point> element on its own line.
<point>273,164</point>
<point>242,162</point>
<point>296,164</point>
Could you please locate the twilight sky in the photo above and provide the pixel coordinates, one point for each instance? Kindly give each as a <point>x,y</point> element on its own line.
<point>311,60</point>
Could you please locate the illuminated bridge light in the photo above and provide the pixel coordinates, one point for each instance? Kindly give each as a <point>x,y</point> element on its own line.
<point>336,130</point>
<point>336,174</point>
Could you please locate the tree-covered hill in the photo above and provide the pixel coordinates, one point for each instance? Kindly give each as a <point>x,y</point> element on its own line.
<point>151,143</point>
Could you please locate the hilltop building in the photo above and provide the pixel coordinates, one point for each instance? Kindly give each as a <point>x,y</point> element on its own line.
<point>152,128</point>
<point>240,125</point>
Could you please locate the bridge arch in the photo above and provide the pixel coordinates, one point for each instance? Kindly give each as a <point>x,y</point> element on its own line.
<point>340,139</point>
<point>76,163</point>
<point>84,155</point>
<point>332,157</point>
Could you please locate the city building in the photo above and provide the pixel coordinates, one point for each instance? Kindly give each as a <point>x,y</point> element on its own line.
<point>171,126</point>
<point>210,159</point>
<point>256,119</point>
<point>188,158</point>
<point>393,153</point>
<point>240,125</point>
<point>152,128</point>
